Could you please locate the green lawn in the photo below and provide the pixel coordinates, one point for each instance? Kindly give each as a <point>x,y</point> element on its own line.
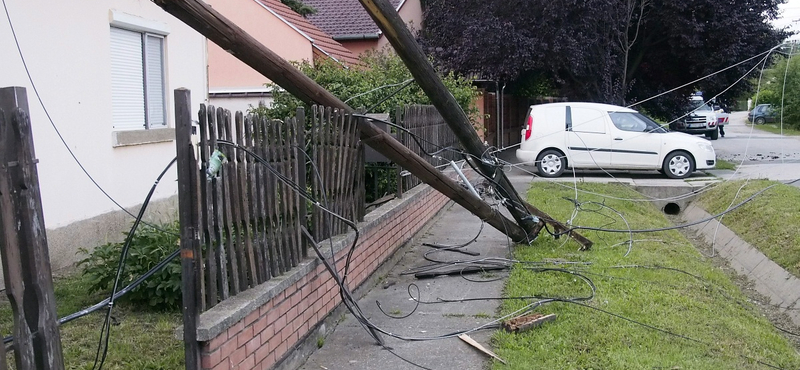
<point>769,222</point>
<point>140,339</point>
<point>701,303</point>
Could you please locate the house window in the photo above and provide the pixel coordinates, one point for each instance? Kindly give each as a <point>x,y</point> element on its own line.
<point>137,80</point>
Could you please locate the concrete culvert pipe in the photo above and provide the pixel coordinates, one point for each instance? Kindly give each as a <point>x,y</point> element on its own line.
<point>672,208</point>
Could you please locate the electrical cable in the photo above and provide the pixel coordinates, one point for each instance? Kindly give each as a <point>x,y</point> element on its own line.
<point>387,97</point>
<point>105,331</point>
<point>58,133</point>
<point>704,77</point>
<point>673,227</point>
<point>380,88</point>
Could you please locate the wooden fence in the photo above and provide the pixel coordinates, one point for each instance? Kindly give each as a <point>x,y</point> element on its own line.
<point>338,177</point>
<point>251,173</point>
<point>432,134</point>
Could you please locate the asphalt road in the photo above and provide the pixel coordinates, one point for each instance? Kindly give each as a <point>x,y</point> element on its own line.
<point>757,154</point>
<point>755,146</point>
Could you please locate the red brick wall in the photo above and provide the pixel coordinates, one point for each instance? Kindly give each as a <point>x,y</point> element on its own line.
<point>268,333</point>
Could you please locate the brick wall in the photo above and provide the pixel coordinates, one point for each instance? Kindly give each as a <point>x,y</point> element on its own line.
<point>259,328</point>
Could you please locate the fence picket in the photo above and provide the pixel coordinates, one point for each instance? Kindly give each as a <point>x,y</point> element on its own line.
<point>210,268</point>
<point>251,218</point>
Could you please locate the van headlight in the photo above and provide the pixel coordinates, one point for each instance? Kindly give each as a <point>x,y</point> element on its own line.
<point>706,146</point>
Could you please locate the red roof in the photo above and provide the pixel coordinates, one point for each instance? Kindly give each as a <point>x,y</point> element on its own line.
<point>342,18</point>
<point>323,44</point>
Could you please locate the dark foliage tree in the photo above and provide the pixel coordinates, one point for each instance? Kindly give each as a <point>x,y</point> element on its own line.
<point>614,51</point>
<point>299,7</point>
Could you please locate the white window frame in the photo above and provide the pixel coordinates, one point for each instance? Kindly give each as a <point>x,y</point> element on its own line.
<point>148,31</point>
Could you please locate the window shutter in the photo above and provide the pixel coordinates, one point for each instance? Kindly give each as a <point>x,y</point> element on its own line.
<point>127,76</point>
<point>154,83</point>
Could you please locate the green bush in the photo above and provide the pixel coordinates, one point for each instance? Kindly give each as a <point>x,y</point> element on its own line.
<point>377,69</point>
<point>148,247</point>
<point>774,92</point>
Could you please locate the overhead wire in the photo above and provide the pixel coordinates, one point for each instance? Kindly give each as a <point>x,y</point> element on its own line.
<point>55,128</point>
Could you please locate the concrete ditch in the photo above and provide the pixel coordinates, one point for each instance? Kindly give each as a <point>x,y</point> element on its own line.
<point>768,278</point>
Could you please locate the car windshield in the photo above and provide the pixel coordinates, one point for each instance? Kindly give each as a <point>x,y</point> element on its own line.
<point>698,105</point>
<point>635,121</point>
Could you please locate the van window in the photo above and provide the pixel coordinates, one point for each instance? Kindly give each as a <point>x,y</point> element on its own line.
<point>635,122</point>
<point>588,120</point>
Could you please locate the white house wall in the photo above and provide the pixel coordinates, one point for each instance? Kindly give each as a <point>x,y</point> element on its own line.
<point>66,48</point>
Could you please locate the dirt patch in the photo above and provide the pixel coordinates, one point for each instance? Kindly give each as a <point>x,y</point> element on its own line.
<point>761,303</point>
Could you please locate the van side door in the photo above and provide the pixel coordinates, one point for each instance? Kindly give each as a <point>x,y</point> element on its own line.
<point>588,138</point>
<point>634,145</point>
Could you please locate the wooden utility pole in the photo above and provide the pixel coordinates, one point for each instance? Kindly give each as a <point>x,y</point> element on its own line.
<point>23,243</point>
<point>409,51</point>
<point>236,41</point>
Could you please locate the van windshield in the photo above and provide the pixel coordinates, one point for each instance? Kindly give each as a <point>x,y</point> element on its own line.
<point>636,122</point>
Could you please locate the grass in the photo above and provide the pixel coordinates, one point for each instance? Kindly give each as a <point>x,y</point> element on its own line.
<point>768,222</point>
<point>724,165</point>
<point>776,129</point>
<point>140,338</point>
<point>726,331</point>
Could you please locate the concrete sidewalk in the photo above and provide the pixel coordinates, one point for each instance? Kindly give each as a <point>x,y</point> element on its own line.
<point>351,347</point>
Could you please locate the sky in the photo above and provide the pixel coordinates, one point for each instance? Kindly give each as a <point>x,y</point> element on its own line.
<point>789,16</point>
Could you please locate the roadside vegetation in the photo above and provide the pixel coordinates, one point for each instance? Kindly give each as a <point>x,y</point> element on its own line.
<point>143,322</point>
<point>141,337</point>
<point>724,165</point>
<point>768,222</point>
<point>776,129</point>
<point>679,311</point>
<point>780,86</point>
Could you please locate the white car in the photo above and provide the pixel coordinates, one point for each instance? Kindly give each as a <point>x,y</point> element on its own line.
<point>600,136</point>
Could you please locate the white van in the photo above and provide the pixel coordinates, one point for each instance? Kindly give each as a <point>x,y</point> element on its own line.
<point>600,136</point>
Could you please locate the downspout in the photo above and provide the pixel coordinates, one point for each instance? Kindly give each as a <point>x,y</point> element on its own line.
<point>497,111</point>
<point>502,121</point>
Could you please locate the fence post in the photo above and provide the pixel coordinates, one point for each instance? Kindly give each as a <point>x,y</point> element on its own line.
<point>23,243</point>
<point>401,137</point>
<point>190,224</point>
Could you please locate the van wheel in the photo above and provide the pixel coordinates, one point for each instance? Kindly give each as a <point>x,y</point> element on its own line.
<point>551,163</point>
<point>714,135</point>
<point>678,165</point>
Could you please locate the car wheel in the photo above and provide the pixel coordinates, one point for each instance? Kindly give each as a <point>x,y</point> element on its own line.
<point>714,135</point>
<point>760,121</point>
<point>551,163</point>
<point>678,165</point>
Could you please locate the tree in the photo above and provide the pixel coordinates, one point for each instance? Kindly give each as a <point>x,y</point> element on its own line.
<point>780,86</point>
<point>299,7</point>
<point>610,51</point>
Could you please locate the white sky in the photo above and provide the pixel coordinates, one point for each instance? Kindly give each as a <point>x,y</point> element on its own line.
<point>789,15</point>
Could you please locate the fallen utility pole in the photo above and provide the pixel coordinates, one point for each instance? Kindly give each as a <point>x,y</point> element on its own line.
<point>238,43</point>
<point>390,23</point>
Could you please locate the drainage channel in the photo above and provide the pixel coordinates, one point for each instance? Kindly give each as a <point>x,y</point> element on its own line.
<point>768,278</point>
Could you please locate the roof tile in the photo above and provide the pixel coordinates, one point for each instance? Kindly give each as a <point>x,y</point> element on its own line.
<point>344,17</point>
<point>319,38</point>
